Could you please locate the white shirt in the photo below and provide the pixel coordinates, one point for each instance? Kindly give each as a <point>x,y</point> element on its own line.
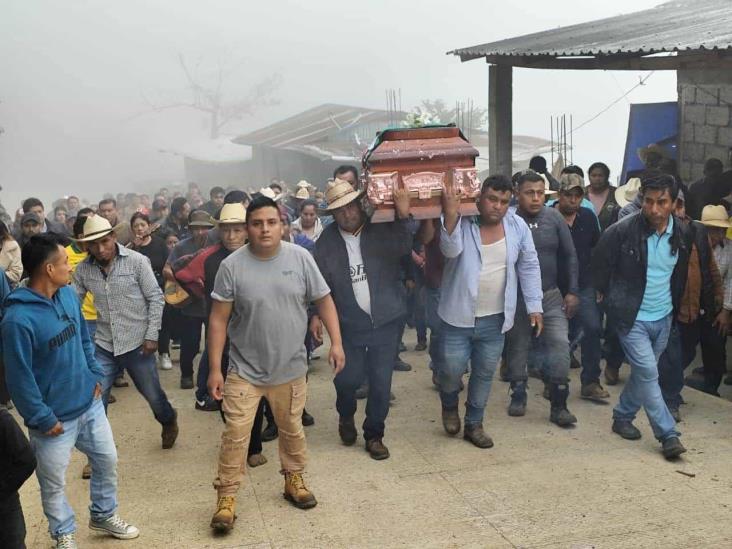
<point>358,272</point>
<point>492,279</point>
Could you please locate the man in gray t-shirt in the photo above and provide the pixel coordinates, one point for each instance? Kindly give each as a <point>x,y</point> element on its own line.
<point>260,298</point>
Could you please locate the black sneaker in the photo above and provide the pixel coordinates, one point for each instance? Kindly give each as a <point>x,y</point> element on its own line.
<point>672,448</point>
<point>347,430</point>
<point>401,366</point>
<point>207,405</point>
<point>186,382</point>
<point>626,429</point>
<point>517,407</point>
<point>307,419</point>
<point>270,432</point>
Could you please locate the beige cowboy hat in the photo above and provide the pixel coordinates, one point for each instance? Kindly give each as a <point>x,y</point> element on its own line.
<point>269,193</point>
<point>302,193</point>
<point>643,152</point>
<point>339,193</point>
<point>231,214</point>
<point>715,216</point>
<point>95,228</point>
<point>302,184</point>
<point>625,194</point>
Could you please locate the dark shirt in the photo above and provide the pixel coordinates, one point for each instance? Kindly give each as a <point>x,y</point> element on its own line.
<point>585,234</point>
<point>434,263</point>
<point>157,252</point>
<point>554,246</point>
<point>17,461</point>
<point>197,307</point>
<point>706,191</point>
<point>210,208</point>
<point>171,226</point>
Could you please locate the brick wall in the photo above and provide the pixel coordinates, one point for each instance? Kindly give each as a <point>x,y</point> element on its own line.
<point>705,100</point>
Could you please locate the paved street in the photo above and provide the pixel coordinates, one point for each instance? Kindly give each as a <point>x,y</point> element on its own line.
<point>540,486</point>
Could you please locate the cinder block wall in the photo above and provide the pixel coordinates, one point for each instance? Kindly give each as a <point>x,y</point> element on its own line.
<point>705,102</point>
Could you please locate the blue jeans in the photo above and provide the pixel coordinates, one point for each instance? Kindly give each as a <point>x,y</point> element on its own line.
<point>91,326</point>
<point>482,346</point>
<point>589,318</point>
<point>671,369</point>
<point>202,377</point>
<point>643,345</point>
<point>144,374</point>
<point>431,303</point>
<point>91,434</point>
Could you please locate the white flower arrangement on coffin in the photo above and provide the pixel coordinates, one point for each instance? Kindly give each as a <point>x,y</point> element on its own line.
<point>419,118</point>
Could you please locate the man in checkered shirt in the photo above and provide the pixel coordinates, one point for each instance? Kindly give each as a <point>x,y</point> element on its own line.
<point>129,304</point>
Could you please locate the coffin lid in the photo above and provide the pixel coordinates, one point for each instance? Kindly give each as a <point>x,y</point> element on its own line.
<point>425,143</point>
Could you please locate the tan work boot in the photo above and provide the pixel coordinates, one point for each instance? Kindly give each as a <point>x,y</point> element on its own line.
<point>594,391</point>
<point>224,517</point>
<point>612,375</point>
<point>297,493</point>
<point>451,420</point>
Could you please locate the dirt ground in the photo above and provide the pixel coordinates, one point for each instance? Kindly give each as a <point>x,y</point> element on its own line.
<point>540,486</point>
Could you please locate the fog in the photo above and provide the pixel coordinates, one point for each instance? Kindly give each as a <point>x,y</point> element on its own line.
<point>77,79</point>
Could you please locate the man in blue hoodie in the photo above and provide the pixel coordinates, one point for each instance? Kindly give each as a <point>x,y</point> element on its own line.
<point>55,383</point>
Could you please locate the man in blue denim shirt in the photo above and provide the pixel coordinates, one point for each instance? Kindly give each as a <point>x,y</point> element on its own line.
<point>487,257</point>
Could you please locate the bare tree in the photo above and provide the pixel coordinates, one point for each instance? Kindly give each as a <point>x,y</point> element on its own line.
<point>207,95</point>
<point>463,113</point>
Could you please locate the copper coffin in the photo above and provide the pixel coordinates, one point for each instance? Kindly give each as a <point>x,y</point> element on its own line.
<point>425,161</point>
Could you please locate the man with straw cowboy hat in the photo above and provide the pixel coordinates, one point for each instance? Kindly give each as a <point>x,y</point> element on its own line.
<point>129,306</point>
<point>361,262</point>
<point>711,330</point>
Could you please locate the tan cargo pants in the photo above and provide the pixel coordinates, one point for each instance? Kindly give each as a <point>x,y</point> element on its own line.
<point>241,399</point>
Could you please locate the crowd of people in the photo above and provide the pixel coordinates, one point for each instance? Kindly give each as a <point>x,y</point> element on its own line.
<point>95,294</point>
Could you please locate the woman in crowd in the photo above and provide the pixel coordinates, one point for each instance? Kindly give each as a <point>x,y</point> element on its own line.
<point>10,256</point>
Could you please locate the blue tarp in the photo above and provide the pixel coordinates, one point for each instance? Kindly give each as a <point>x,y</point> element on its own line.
<point>650,123</point>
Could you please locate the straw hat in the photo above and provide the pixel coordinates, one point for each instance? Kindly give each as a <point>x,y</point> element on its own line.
<point>643,152</point>
<point>96,227</point>
<point>625,194</point>
<point>302,184</point>
<point>715,216</point>
<point>339,193</point>
<point>269,193</point>
<point>232,213</point>
<point>302,193</point>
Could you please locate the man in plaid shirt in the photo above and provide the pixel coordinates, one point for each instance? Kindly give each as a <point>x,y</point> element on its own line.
<point>129,305</point>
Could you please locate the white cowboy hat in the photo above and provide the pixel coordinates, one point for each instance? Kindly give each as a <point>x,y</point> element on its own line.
<point>715,216</point>
<point>625,194</point>
<point>302,193</point>
<point>269,193</point>
<point>339,193</point>
<point>95,228</point>
<point>232,213</point>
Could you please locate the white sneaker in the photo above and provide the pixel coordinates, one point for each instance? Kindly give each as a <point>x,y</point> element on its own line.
<point>66,541</point>
<point>164,362</point>
<point>115,527</point>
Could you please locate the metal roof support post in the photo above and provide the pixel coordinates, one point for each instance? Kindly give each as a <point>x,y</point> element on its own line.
<point>500,119</point>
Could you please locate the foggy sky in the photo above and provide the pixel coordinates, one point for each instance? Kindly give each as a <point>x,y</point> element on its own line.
<point>73,76</point>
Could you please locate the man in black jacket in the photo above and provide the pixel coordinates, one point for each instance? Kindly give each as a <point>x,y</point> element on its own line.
<point>17,463</point>
<point>639,269</point>
<point>360,261</point>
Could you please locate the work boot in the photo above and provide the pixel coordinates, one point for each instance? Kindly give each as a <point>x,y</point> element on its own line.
<point>376,449</point>
<point>170,433</point>
<point>401,366</point>
<point>270,432</point>
<point>363,391</point>
<point>546,393</point>
<point>626,429</point>
<point>115,527</point>
<point>255,460</point>
<point>347,430</point>
<point>224,517</point>
<point>559,412</point>
<point>517,407</point>
<point>503,371</point>
<point>612,375</point>
<point>476,435</point>
<point>297,493</point>
<point>307,419</point>
<point>595,392</point>
<point>66,541</point>
<point>451,420</point>
<point>672,448</point>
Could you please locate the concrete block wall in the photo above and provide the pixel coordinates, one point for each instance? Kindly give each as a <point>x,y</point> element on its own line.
<point>705,118</point>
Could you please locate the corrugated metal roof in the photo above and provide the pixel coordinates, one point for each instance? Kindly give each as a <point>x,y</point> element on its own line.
<point>677,26</point>
<point>313,126</point>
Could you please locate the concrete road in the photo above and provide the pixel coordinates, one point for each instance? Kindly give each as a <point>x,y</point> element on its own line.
<point>540,486</point>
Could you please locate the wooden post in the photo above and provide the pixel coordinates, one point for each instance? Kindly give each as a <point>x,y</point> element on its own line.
<point>500,119</point>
